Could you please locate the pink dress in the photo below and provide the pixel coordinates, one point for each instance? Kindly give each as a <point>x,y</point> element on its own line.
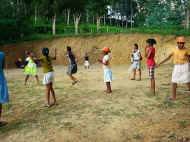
<point>150,59</point>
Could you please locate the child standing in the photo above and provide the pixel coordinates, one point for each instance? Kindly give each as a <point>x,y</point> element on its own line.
<point>30,68</point>
<point>136,59</point>
<point>72,67</point>
<point>46,62</point>
<point>4,95</point>
<point>181,61</point>
<point>150,54</point>
<point>86,61</point>
<point>107,69</point>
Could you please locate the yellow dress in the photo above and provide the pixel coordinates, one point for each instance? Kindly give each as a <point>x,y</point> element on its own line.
<point>31,67</point>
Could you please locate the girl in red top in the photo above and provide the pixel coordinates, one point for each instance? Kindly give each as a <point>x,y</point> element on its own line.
<point>150,54</point>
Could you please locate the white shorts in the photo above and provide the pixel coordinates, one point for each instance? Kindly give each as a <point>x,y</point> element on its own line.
<point>136,65</point>
<point>48,78</point>
<point>107,75</point>
<point>86,63</point>
<point>181,73</point>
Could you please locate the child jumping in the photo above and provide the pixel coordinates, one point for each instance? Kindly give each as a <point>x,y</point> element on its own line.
<point>150,54</point>
<point>31,68</point>
<point>107,69</point>
<point>72,67</point>
<point>46,62</point>
<point>136,61</point>
<point>181,61</point>
<point>4,95</point>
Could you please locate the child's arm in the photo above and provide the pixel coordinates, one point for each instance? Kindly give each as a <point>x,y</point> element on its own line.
<point>55,57</point>
<point>165,60</point>
<point>146,52</point>
<point>104,63</point>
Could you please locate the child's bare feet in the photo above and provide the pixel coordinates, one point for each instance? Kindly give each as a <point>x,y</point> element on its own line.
<point>75,82</point>
<point>171,98</point>
<point>3,123</point>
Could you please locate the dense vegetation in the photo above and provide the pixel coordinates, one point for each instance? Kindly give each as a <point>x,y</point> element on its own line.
<point>34,19</point>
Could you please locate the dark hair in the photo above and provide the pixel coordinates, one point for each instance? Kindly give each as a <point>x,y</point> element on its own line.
<point>136,45</point>
<point>68,48</point>
<point>45,52</point>
<point>151,41</point>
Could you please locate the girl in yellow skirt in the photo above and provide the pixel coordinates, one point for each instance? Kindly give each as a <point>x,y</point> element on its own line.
<point>181,70</point>
<point>30,68</point>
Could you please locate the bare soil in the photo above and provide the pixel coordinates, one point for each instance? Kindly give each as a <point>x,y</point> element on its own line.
<point>86,114</point>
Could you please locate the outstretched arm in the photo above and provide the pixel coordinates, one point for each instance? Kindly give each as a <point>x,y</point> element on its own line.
<point>165,60</point>
<point>55,57</point>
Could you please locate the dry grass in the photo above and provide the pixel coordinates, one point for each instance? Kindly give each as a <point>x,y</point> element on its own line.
<point>86,114</point>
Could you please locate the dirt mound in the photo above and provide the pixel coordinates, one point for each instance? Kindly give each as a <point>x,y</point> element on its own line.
<point>121,45</point>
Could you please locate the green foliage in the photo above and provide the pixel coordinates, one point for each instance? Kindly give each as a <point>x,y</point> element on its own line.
<point>22,19</point>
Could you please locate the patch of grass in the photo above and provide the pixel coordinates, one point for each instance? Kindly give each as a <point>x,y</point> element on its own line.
<point>183,123</point>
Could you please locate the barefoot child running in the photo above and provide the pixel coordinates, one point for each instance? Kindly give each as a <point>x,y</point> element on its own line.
<point>30,68</point>
<point>46,62</point>
<point>4,95</point>
<point>150,54</point>
<point>106,67</point>
<point>136,65</point>
<point>72,67</point>
<point>181,61</point>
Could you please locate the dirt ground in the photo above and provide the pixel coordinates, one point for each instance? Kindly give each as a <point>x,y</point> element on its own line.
<point>121,46</point>
<point>86,114</point>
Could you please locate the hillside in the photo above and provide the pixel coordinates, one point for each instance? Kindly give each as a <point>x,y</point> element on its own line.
<point>121,45</point>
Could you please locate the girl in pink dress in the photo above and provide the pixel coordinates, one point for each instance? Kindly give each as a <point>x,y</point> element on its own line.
<point>150,54</point>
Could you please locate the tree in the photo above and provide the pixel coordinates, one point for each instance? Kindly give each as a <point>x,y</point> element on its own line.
<point>77,8</point>
<point>98,8</point>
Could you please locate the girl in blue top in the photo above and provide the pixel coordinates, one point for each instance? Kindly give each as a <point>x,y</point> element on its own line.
<point>4,95</point>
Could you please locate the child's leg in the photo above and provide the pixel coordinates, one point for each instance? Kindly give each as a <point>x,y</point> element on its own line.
<point>53,93</point>
<point>73,79</point>
<point>108,85</point>
<point>188,85</point>
<point>37,79</point>
<point>174,88</point>
<point>0,111</point>
<point>26,79</point>
<point>139,70</point>
<point>134,74</point>
<point>48,94</point>
<point>153,86</point>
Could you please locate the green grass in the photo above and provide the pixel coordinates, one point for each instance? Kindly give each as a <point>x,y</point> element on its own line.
<point>43,31</point>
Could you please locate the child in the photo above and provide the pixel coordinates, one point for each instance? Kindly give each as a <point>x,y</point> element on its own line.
<point>86,61</point>
<point>72,67</point>
<point>30,68</point>
<point>181,70</point>
<point>46,62</point>
<point>150,54</point>
<point>136,59</point>
<point>107,70</point>
<point>4,95</point>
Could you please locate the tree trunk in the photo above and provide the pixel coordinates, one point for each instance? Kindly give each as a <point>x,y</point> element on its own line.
<point>131,7</point>
<point>35,17</point>
<point>187,18</point>
<point>104,19</point>
<point>76,22</point>
<point>87,16</point>
<point>98,23</point>
<point>126,22</point>
<point>54,25</point>
<point>68,16</point>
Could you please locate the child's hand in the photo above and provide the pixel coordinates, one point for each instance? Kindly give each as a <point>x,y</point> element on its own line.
<point>157,65</point>
<point>99,60</point>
